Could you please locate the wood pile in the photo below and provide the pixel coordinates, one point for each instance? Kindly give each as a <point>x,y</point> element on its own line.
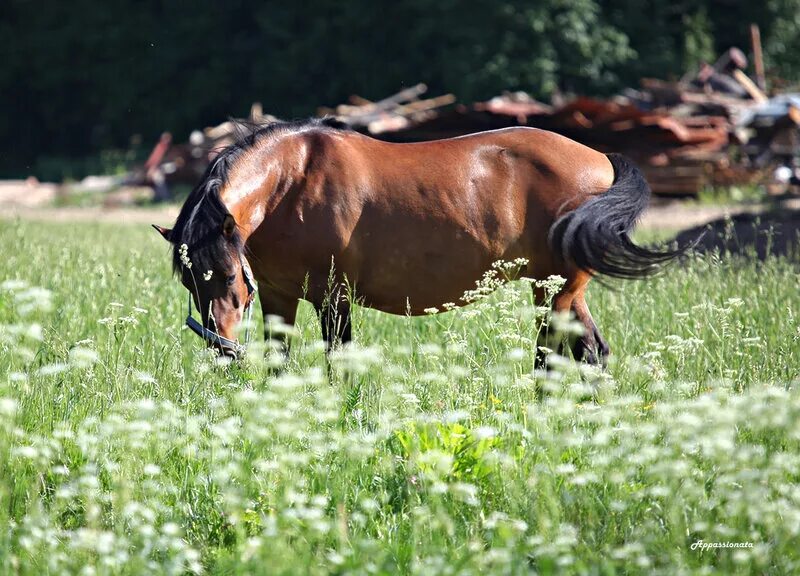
<point>715,127</point>
<point>184,164</point>
<point>682,133</point>
<point>395,113</point>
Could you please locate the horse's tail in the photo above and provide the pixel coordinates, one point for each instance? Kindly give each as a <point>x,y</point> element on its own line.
<point>594,236</point>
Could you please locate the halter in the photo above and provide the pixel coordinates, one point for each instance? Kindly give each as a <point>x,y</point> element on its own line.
<point>214,338</point>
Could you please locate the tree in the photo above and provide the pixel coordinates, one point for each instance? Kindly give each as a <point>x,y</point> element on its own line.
<point>81,76</point>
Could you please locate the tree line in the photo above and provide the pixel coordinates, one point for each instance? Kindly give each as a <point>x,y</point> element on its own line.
<point>83,76</point>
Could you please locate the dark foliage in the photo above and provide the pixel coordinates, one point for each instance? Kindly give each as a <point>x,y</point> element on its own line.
<point>80,77</point>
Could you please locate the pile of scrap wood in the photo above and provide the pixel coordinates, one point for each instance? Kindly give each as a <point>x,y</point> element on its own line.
<point>715,127</point>
<point>184,163</point>
<point>680,153</point>
<point>683,133</point>
<point>395,113</point>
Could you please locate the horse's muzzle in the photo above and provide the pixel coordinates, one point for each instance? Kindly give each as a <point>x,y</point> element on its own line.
<point>228,352</point>
<point>227,347</point>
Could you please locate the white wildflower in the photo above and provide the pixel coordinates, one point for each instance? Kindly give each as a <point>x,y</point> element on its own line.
<point>53,369</point>
<point>8,406</point>
<point>82,357</point>
<point>183,254</point>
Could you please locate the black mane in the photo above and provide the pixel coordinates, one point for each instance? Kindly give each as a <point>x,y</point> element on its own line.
<point>199,223</point>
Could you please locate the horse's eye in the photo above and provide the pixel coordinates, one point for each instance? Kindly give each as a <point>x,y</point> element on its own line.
<point>230,280</point>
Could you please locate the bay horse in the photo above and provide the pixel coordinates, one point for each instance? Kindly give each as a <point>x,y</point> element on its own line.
<point>316,207</point>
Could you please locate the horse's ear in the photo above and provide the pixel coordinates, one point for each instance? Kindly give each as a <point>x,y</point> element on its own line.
<point>165,232</point>
<point>228,225</point>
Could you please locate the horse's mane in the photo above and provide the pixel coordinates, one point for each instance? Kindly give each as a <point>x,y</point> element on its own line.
<point>199,222</point>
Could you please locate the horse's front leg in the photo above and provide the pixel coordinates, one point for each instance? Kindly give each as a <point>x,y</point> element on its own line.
<point>274,304</point>
<point>334,316</point>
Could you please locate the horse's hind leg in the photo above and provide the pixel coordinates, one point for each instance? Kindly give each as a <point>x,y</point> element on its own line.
<point>591,347</point>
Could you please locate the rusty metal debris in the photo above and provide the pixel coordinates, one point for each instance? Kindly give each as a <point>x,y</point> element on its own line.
<point>715,127</point>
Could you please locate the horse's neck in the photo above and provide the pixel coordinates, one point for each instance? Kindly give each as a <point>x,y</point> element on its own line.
<point>248,199</point>
<point>257,186</point>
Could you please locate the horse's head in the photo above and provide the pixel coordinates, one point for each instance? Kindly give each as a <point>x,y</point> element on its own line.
<point>218,277</point>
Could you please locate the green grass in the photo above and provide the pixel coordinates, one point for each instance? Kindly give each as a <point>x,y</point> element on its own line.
<point>125,448</point>
<point>732,195</point>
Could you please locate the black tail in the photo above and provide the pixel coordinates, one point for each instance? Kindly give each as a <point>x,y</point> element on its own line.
<point>594,236</point>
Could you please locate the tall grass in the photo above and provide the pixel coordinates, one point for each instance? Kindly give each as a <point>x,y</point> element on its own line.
<point>127,448</point>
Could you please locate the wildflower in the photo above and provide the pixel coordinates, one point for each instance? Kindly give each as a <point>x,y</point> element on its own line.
<point>484,432</point>
<point>516,354</point>
<point>81,357</point>
<point>53,369</point>
<point>207,275</point>
<point>552,285</point>
<point>454,416</point>
<point>13,285</point>
<point>335,558</point>
<point>8,406</point>
<point>277,326</point>
<point>144,377</point>
<point>170,528</point>
<point>465,492</point>
<point>33,299</point>
<point>28,452</point>
<point>183,254</point>
<point>430,349</point>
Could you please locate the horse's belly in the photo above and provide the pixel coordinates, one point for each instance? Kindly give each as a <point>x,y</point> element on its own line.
<point>406,271</point>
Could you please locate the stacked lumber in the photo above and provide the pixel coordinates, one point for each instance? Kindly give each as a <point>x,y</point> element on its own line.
<point>714,127</point>
<point>395,113</point>
<point>681,133</point>
<point>170,164</point>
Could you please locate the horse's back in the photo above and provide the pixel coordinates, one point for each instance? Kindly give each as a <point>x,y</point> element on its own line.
<point>545,166</point>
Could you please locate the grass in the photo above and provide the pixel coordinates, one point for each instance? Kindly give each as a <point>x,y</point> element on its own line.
<point>731,195</point>
<point>126,448</point>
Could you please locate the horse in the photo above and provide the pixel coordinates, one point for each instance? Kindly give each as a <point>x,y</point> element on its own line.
<point>321,210</point>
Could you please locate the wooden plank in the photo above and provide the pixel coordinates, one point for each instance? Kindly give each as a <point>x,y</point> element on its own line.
<point>758,58</point>
<point>753,90</point>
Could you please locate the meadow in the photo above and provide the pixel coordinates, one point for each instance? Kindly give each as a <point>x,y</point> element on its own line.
<point>128,448</point>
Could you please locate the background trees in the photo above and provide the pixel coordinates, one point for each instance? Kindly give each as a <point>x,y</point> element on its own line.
<point>82,76</point>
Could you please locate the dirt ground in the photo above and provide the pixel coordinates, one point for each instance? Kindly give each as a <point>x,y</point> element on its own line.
<point>673,216</point>
<point>26,193</point>
<point>770,228</point>
<point>163,215</point>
